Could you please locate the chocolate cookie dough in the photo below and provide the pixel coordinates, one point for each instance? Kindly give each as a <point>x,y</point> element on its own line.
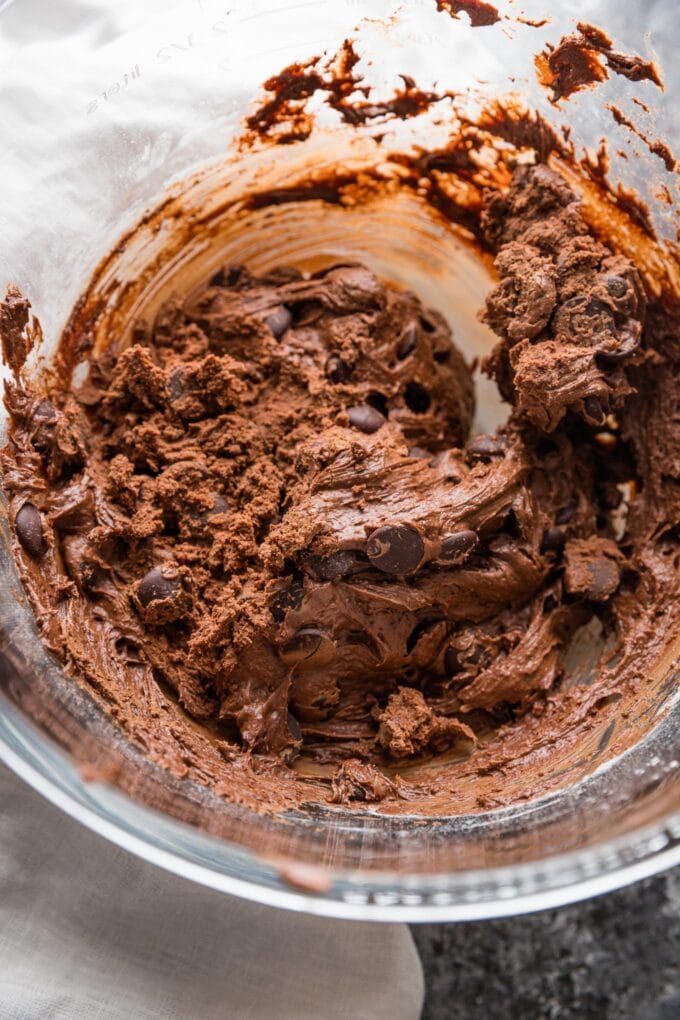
<point>262,534</point>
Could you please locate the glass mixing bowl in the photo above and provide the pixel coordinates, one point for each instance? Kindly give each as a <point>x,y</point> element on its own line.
<point>111,110</point>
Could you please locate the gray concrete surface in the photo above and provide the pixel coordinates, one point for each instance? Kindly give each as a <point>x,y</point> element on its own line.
<point>616,957</point>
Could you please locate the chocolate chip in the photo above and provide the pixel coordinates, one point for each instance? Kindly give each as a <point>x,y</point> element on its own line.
<point>227,277</point>
<point>597,307</point>
<point>336,370</point>
<point>278,320</point>
<point>628,343</point>
<point>176,386</point>
<point>624,296</point>
<point>604,579</point>
<point>365,418</point>
<point>294,728</point>
<point>602,319</point>
<point>456,547</point>
<point>407,342</point>
<point>616,286</point>
<point>554,539</point>
<point>218,279</point>
<point>451,661</point>
<point>395,549</point>
<point>486,447</point>
<point>594,410</point>
<point>286,599</point>
<point>338,564</point>
<point>419,453</point>
<point>582,316</point>
<point>565,513</point>
<point>44,417</point>
<point>45,412</point>
<point>28,524</point>
<point>160,583</point>
<point>220,505</point>
<point>310,645</point>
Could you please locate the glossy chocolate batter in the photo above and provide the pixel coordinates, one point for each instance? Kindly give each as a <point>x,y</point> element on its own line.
<point>262,536</point>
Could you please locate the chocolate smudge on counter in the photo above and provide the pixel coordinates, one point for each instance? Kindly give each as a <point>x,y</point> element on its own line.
<point>585,58</point>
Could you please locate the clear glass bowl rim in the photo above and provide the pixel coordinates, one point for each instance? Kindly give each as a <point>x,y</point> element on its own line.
<point>375,896</point>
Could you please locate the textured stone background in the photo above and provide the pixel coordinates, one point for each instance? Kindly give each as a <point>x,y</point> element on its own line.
<point>616,957</point>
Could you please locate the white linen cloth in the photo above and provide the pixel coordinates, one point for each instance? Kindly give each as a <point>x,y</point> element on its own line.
<point>90,932</point>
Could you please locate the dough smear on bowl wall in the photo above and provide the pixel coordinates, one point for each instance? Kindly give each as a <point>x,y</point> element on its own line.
<point>263,534</point>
